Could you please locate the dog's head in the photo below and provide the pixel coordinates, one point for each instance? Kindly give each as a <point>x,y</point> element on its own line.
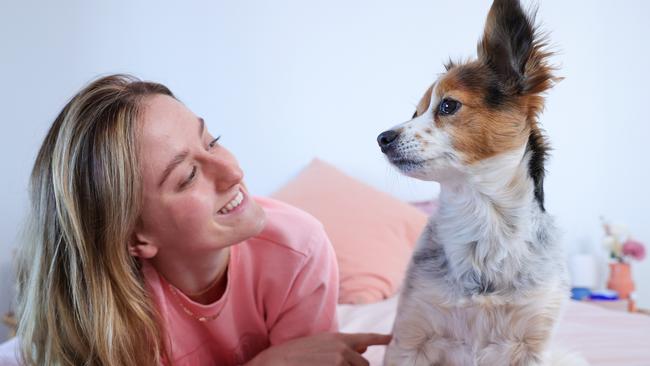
<point>479,109</point>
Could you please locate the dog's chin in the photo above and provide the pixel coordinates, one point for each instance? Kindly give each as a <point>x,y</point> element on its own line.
<point>419,169</point>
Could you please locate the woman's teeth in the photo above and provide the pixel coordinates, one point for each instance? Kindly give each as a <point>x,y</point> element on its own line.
<point>232,204</point>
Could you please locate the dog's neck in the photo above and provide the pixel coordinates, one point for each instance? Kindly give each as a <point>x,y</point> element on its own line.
<point>487,216</point>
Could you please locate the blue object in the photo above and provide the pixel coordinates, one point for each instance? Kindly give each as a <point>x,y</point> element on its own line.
<point>580,293</point>
<point>606,295</point>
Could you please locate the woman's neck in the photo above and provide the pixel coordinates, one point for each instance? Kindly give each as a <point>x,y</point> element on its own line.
<point>202,278</point>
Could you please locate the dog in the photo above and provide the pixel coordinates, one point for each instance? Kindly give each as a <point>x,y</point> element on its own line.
<point>487,279</point>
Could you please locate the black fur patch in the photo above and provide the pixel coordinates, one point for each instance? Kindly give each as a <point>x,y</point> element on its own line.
<point>537,146</point>
<point>477,284</point>
<point>482,80</point>
<point>432,261</point>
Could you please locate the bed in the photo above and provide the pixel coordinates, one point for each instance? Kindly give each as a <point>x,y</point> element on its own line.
<point>603,337</point>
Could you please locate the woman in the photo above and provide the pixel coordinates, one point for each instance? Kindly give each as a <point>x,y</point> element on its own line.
<point>147,248</point>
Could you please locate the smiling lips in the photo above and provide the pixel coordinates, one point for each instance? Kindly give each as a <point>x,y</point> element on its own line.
<point>232,204</point>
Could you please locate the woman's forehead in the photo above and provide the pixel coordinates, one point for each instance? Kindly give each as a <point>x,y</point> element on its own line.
<point>166,120</point>
<point>168,128</point>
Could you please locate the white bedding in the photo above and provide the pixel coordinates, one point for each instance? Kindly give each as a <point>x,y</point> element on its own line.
<point>603,337</point>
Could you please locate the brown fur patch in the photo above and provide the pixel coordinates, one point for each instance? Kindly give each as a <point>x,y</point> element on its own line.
<point>478,129</point>
<point>423,105</point>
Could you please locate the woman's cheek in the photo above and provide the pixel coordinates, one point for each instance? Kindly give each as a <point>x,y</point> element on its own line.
<point>193,213</point>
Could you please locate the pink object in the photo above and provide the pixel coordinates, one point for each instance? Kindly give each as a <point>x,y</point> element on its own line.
<point>634,249</point>
<point>372,232</point>
<point>282,285</point>
<point>620,279</point>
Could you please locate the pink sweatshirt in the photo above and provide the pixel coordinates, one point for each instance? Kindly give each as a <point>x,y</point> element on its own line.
<point>282,284</point>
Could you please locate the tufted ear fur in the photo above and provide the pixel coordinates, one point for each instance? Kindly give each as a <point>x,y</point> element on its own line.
<point>512,49</point>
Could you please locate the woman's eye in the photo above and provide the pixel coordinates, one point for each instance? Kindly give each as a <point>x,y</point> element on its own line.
<point>448,107</point>
<point>189,178</point>
<point>213,142</point>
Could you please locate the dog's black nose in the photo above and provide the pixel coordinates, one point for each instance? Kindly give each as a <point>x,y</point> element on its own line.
<point>385,139</point>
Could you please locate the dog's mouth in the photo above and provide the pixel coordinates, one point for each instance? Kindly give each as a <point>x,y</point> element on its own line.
<point>405,164</point>
<point>414,167</point>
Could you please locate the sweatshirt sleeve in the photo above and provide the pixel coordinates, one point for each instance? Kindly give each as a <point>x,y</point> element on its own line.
<point>310,306</point>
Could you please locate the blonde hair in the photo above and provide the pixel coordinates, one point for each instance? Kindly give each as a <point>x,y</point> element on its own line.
<point>81,296</point>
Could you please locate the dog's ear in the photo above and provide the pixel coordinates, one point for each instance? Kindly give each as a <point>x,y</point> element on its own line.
<point>507,44</point>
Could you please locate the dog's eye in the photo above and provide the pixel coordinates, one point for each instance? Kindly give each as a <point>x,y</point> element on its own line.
<point>448,107</point>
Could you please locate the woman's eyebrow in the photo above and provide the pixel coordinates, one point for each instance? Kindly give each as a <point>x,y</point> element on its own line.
<point>201,127</point>
<point>180,157</point>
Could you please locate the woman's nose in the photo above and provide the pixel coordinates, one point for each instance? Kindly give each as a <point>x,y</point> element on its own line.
<point>224,171</point>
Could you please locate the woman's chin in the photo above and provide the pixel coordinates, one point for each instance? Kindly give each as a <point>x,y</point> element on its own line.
<point>246,221</point>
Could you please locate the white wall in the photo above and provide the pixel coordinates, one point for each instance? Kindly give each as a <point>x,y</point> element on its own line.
<point>284,81</point>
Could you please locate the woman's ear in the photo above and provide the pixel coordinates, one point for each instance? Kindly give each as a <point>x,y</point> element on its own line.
<point>141,246</point>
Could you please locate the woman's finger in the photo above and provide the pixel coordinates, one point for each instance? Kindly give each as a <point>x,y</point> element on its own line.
<point>360,341</point>
<point>355,359</point>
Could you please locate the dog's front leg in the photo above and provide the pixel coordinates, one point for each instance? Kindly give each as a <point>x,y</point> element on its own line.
<point>419,339</point>
<point>420,352</point>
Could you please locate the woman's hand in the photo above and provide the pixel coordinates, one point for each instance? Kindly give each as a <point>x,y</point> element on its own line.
<point>325,349</point>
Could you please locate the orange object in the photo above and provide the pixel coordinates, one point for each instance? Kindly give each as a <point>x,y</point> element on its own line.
<point>631,306</point>
<point>620,279</point>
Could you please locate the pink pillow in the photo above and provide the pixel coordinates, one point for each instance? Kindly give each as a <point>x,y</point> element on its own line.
<point>372,232</point>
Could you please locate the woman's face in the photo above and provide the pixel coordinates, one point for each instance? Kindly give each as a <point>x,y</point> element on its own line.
<point>194,195</point>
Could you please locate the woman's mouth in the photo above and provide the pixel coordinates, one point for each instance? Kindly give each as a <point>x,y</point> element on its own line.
<point>233,204</point>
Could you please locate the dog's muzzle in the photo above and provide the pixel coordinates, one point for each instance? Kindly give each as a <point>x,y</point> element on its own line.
<point>387,139</point>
